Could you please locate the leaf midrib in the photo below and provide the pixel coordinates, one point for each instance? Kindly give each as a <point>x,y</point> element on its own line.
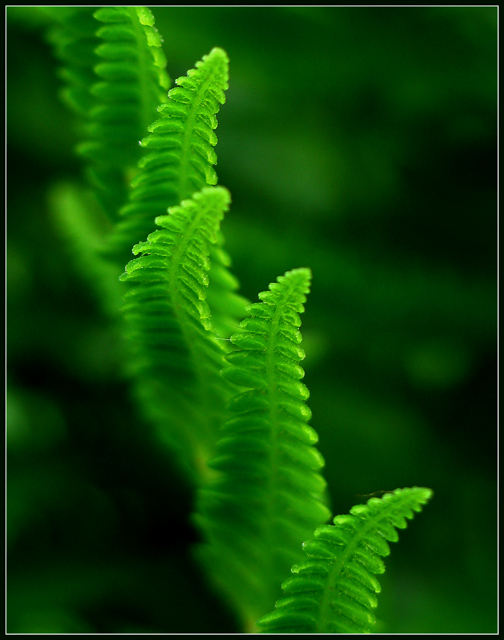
<point>271,538</point>
<point>184,190</point>
<point>203,444</point>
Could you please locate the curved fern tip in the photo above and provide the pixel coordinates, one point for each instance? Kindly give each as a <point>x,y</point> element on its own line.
<point>333,590</point>
<point>301,273</point>
<point>422,494</point>
<point>218,52</point>
<point>145,16</point>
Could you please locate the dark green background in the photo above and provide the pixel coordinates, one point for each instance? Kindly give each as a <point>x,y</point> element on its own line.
<point>360,142</point>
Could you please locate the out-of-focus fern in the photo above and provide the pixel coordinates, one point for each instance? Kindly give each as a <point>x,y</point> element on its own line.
<point>267,499</point>
<point>333,590</point>
<point>73,37</point>
<point>114,70</point>
<point>176,357</point>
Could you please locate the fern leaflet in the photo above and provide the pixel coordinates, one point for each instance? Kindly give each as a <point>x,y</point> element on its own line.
<point>177,359</point>
<point>267,499</point>
<point>333,591</point>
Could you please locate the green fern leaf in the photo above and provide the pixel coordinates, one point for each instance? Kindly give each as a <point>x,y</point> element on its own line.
<point>180,150</point>
<point>116,78</point>
<point>333,590</point>
<point>177,359</point>
<point>179,163</point>
<point>267,499</point>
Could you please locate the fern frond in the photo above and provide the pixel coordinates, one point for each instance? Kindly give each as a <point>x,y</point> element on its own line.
<point>116,78</point>
<point>177,359</point>
<point>180,150</point>
<point>267,499</point>
<point>333,590</point>
<point>179,163</point>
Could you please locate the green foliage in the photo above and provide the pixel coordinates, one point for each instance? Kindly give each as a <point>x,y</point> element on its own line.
<point>181,155</point>
<point>179,163</point>
<point>220,425</point>
<point>115,78</point>
<point>334,590</point>
<point>176,358</point>
<point>267,497</point>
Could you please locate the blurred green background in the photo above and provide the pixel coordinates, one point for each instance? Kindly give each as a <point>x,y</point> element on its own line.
<point>360,142</point>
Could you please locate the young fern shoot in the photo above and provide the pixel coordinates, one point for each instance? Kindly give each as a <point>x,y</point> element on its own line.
<point>268,496</point>
<point>333,590</point>
<point>175,355</point>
